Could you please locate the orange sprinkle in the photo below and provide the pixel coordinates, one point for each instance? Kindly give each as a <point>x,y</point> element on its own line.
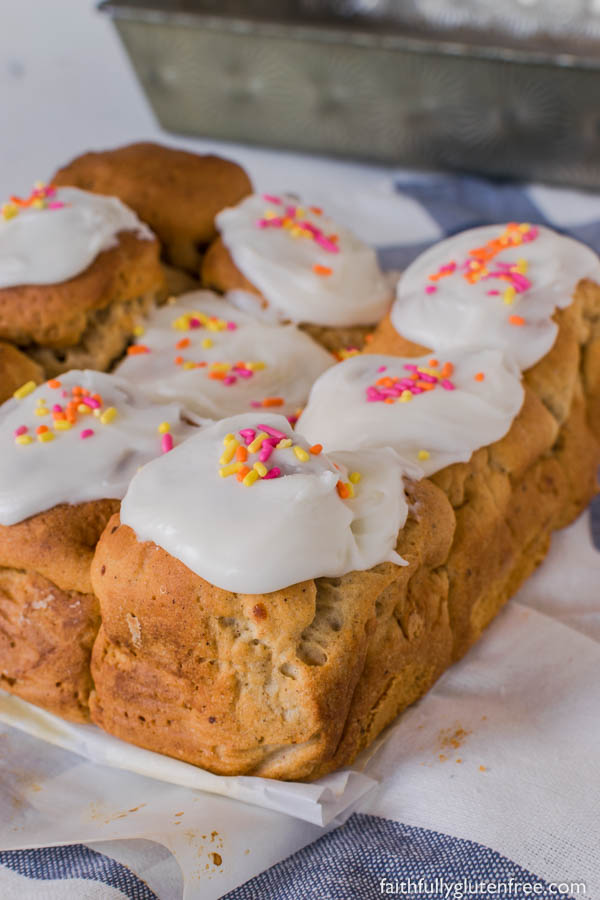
<point>390,400</point>
<point>482,769</point>
<point>321,270</point>
<point>77,391</point>
<point>98,399</point>
<point>178,360</point>
<point>53,383</point>
<point>41,429</point>
<point>273,401</point>
<point>316,210</point>
<point>58,416</point>
<point>241,454</point>
<point>137,349</point>
<point>516,320</point>
<point>182,344</point>
<point>479,376</point>
<point>447,370</point>
<point>217,375</point>
<point>433,363</point>
<point>343,490</point>
<point>242,473</point>
<point>334,238</point>
<point>201,365</point>
<point>459,760</point>
<point>316,449</point>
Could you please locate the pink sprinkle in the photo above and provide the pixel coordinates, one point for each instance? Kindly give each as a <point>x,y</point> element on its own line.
<point>447,385</point>
<point>195,323</point>
<point>326,244</point>
<point>248,434</point>
<point>256,404</point>
<point>231,326</point>
<point>270,223</point>
<point>89,401</point>
<point>56,204</point>
<point>493,293</point>
<point>22,429</point>
<point>431,379</point>
<point>520,282</point>
<point>410,367</point>
<point>50,191</point>
<point>416,390</point>
<point>86,433</point>
<point>272,431</point>
<point>229,379</point>
<point>57,408</point>
<point>244,373</point>
<point>430,289</point>
<point>271,198</point>
<point>265,451</point>
<point>275,472</point>
<point>382,369</point>
<point>290,211</point>
<point>166,442</point>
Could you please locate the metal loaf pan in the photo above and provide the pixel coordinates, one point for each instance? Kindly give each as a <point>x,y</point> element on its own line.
<point>461,88</point>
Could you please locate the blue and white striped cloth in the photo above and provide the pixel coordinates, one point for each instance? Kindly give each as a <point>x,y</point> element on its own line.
<point>368,855</point>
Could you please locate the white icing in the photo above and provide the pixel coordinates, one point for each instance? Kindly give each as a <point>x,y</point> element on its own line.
<point>47,246</point>
<point>277,531</point>
<point>459,314</point>
<point>292,360</point>
<point>280,266</point>
<point>70,469</point>
<point>447,424</point>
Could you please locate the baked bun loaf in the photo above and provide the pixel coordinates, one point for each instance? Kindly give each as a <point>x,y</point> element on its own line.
<point>50,523</point>
<point>178,194</point>
<point>293,263</point>
<point>16,369</point>
<point>89,270</point>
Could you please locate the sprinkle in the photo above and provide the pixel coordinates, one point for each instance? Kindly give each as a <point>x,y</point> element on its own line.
<point>260,468</point>
<point>430,289</point>
<point>54,383</point>
<point>271,198</point>
<point>273,401</point>
<point>82,408</point>
<point>86,433</point>
<point>182,344</point>
<point>89,401</point>
<point>42,411</point>
<point>229,451</point>
<point>423,454</point>
<point>22,429</point>
<point>242,472</point>
<point>139,330</point>
<point>272,432</point>
<point>284,444</point>
<point>479,376</point>
<point>316,449</point>
<point>207,343</point>
<point>256,443</point>
<point>178,360</point>
<point>516,320</point>
<point>109,415</point>
<point>275,472</point>
<point>164,427</point>
<point>230,469</point>
<point>137,349</point>
<point>62,425</point>
<point>24,439</point>
<point>354,477</point>
<point>509,295</point>
<point>301,453</point>
<point>343,489</point>
<point>41,429</point>
<point>166,442</point>
<point>241,453</point>
<point>24,390</point>
<point>250,478</point>
<point>322,270</point>
<point>247,434</point>
<point>45,437</point>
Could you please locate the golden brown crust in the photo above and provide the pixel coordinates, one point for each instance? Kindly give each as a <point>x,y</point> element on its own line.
<point>15,370</point>
<point>219,273</point>
<point>49,616</point>
<point>177,193</point>
<point>57,315</point>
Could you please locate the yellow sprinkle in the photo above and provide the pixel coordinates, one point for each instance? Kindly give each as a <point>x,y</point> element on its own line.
<point>62,425</point>
<point>164,428</point>
<point>231,469</point>
<point>260,468</point>
<point>83,409</point>
<point>9,211</point>
<point>97,412</point>
<point>189,365</point>
<point>108,416</point>
<point>24,439</point>
<point>250,478</point>
<point>301,453</point>
<point>405,396</point>
<point>296,231</point>
<point>509,295</point>
<point>220,367</point>
<point>270,214</point>
<point>139,330</point>
<point>255,366</point>
<point>257,442</point>
<point>428,371</point>
<point>526,226</point>
<point>300,212</point>
<point>228,437</point>
<point>42,411</point>
<point>284,443</point>
<point>229,452</point>
<point>350,489</point>
<point>354,477</point>
<point>39,184</point>
<point>46,436</point>
<point>180,324</point>
<point>41,401</point>
<point>207,343</point>
<point>522,266</point>
<point>423,454</point>
<point>24,390</point>
<point>38,203</point>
